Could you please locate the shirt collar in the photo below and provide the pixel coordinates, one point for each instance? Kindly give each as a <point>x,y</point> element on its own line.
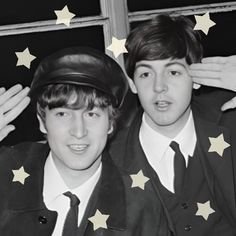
<point>52,177</point>
<point>186,138</point>
<point>158,144</point>
<point>153,142</point>
<point>85,190</point>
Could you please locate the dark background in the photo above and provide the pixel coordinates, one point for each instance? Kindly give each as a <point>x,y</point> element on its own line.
<point>140,5</point>
<point>14,12</point>
<point>220,40</point>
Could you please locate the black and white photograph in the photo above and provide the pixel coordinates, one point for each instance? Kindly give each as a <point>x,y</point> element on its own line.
<point>117,118</point>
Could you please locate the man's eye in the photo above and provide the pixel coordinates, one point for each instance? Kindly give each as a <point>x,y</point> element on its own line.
<point>145,75</point>
<point>61,114</point>
<point>92,114</point>
<point>174,73</point>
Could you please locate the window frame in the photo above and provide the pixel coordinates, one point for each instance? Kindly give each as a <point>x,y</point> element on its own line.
<point>114,18</point>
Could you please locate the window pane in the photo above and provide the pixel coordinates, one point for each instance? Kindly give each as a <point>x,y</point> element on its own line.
<point>13,11</point>
<point>221,37</point>
<point>40,45</point>
<point>140,5</point>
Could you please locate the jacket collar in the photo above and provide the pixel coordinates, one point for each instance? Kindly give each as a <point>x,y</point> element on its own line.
<point>109,190</point>
<point>206,107</point>
<point>135,160</point>
<point>112,190</point>
<point>108,197</point>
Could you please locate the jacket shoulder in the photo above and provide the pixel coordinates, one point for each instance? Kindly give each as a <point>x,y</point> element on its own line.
<point>19,152</point>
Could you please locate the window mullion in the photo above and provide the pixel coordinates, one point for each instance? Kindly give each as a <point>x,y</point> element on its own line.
<point>118,26</point>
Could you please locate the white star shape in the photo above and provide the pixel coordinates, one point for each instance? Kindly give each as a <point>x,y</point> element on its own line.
<point>24,58</point>
<point>204,210</point>
<point>203,23</point>
<point>64,16</point>
<point>218,144</point>
<point>139,180</point>
<point>20,175</point>
<point>99,220</point>
<point>117,46</point>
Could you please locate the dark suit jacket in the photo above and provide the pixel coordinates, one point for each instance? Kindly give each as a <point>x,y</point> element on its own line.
<point>23,213</point>
<point>218,171</point>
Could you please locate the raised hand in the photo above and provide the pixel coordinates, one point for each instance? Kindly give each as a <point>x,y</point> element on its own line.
<point>12,102</point>
<point>216,72</point>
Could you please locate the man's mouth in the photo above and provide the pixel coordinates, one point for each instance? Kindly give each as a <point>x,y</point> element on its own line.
<point>162,105</point>
<point>78,147</point>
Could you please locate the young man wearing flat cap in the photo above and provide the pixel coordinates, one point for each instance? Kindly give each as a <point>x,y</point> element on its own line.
<point>70,186</point>
<point>189,160</point>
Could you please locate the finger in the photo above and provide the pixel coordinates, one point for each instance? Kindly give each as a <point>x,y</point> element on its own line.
<point>16,111</point>
<point>206,67</point>
<point>207,82</point>
<point>231,104</point>
<point>13,101</point>
<point>9,93</point>
<point>218,60</point>
<point>2,90</point>
<point>205,74</point>
<point>5,131</point>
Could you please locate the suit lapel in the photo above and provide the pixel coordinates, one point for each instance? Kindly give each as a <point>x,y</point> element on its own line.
<point>135,160</point>
<point>108,197</point>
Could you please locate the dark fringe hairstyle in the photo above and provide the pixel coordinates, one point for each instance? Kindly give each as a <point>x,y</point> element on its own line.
<point>74,97</point>
<point>161,38</point>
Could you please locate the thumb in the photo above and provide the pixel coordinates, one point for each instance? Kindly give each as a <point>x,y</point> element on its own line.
<point>231,104</point>
<point>5,131</point>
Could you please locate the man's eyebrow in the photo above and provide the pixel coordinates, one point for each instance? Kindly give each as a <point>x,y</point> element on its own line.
<point>143,65</point>
<point>168,64</point>
<point>174,63</point>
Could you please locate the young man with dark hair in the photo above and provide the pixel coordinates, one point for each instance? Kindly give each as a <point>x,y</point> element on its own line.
<point>70,186</point>
<point>188,160</point>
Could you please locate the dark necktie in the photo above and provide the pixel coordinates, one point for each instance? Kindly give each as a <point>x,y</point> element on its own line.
<point>71,221</point>
<point>179,168</point>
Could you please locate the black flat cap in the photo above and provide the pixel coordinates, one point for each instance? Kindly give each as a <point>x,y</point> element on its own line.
<point>82,66</point>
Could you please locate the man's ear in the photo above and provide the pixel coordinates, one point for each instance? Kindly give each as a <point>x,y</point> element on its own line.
<point>111,128</point>
<point>41,125</point>
<point>132,85</point>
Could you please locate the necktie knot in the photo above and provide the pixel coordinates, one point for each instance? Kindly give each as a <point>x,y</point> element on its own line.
<point>175,146</point>
<point>74,200</point>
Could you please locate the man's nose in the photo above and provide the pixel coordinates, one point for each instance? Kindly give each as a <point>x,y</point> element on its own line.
<point>160,84</point>
<point>78,128</point>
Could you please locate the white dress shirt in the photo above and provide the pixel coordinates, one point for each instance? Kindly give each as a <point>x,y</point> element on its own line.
<point>54,187</point>
<point>160,155</point>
